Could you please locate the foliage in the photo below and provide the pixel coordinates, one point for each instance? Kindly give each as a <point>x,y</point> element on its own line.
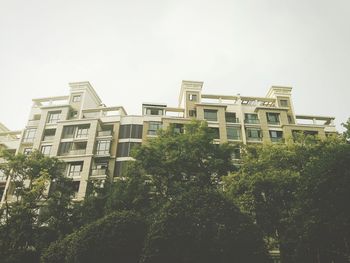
<point>117,237</point>
<point>203,226</point>
<point>26,227</point>
<point>346,133</point>
<point>175,161</point>
<point>283,188</point>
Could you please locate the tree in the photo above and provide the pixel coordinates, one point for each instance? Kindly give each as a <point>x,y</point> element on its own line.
<point>25,228</point>
<point>117,237</point>
<point>203,226</point>
<point>282,187</point>
<point>346,133</point>
<point>322,208</point>
<point>175,161</point>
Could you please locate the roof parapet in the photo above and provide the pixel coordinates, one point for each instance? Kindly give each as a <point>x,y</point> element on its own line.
<point>275,91</point>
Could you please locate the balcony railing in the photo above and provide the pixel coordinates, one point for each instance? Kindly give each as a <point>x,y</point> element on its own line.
<point>256,139</point>
<point>278,139</point>
<point>252,121</point>
<point>74,152</point>
<point>74,174</point>
<point>49,138</point>
<point>273,122</point>
<point>102,152</point>
<point>104,133</point>
<point>97,172</point>
<point>232,120</point>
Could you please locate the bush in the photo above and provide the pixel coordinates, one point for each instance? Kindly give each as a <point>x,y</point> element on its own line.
<point>202,226</point>
<point>117,237</point>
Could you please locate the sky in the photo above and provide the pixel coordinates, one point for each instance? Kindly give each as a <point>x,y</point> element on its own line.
<point>138,51</point>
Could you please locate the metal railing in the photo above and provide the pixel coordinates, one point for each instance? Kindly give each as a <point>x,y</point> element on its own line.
<point>74,152</point>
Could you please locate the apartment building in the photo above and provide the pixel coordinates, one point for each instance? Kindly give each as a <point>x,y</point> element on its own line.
<point>95,140</point>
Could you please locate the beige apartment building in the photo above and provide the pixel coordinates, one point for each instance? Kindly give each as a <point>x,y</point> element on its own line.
<point>95,140</point>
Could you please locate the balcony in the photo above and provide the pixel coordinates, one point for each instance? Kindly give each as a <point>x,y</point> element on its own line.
<point>277,139</point>
<point>33,122</point>
<point>99,172</point>
<point>105,133</point>
<point>273,122</point>
<point>254,139</point>
<point>232,120</point>
<point>252,121</point>
<point>74,152</point>
<point>49,138</point>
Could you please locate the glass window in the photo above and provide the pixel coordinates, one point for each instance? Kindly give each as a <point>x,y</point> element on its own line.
<point>76,98</point>
<point>276,136</point>
<point>284,103</point>
<point>68,132</point>
<point>192,113</point>
<point>27,151</point>
<point>124,148</point>
<point>154,111</point>
<point>236,154</point>
<point>231,117</point>
<point>211,115</point>
<point>53,116</point>
<point>251,118</point>
<point>83,131</point>
<point>130,131</point>
<point>192,97</point>
<point>215,132</point>
<point>65,147</point>
<point>120,167</point>
<point>73,114</point>
<point>254,134</point>
<point>103,147</point>
<point>178,127</point>
<point>75,169</point>
<point>46,149</point>
<point>153,128</point>
<point>273,118</point>
<point>233,133</point>
<point>29,135</point>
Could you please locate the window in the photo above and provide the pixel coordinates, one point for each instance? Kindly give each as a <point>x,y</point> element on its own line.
<point>68,132</point>
<point>65,147</point>
<point>276,136</point>
<point>251,118</point>
<point>73,114</point>
<point>76,185</point>
<point>124,148</point>
<point>290,120</point>
<point>49,134</point>
<point>100,168</point>
<point>284,103</point>
<point>192,113</point>
<point>215,132</point>
<point>46,149</point>
<point>54,116</point>
<point>75,169</point>
<point>192,97</point>
<point>231,117</point>
<point>153,128</point>
<point>130,131</point>
<point>27,151</point>
<point>29,135</point>
<point>178,127</point>
<point>236,154</point>
<point>154,111</point>
<point>254,134</point>
<point>211,115</point>
<point>273,118</point>
<point>76,98</point>
<point>233,133</point>
<point>83,131</point>
<point>103,147</point>
<point>120,167</point>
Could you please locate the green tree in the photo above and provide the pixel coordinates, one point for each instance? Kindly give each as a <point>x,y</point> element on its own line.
<point>203,226</point>
<point>26,228</point>
<point>346,133</point>
<point>323,209</point>
<point>117,237</point>
<point>174,161</point>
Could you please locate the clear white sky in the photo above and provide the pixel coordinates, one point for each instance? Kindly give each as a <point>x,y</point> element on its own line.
<point>133,51</point>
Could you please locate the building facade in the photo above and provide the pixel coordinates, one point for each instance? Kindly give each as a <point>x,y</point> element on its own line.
<point>95,141</point>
